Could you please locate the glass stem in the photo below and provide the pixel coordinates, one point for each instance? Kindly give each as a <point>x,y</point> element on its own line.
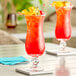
<point>35,62</point>
<point>62,45</point>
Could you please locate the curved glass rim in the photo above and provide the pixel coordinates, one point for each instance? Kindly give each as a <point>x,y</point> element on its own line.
<point>68,6</point>
<point>64,6</point>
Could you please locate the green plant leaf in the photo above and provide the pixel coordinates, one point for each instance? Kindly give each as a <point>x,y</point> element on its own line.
<point>22,4</point>
<point>9,7</point>
<point>41,2</point>
<point>20,17</point>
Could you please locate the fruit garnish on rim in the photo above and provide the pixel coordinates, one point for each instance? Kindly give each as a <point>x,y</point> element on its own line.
<point>31,11</point>
<point>66,3</point>
<point>57,3</point>
<point>61,3</point>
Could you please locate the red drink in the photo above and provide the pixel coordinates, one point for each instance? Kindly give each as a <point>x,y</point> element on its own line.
<point>63,26</point>
<point>35,44</point>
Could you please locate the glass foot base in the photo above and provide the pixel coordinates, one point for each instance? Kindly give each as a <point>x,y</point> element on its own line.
<point>60,53</point>
<point>34,71</point>
<point>63,51</point>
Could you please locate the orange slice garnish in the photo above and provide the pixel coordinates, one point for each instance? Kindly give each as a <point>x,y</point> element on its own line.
<point>58,3</point>
<point>67,3</point>
<point>61,3</point>
<point>32,11</point>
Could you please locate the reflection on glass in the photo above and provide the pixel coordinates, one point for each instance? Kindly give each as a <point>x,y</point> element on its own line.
<point>62,70</point>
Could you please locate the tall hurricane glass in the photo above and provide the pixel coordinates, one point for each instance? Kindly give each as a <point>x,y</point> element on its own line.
<point>35,44</point>
<point>63,25</point>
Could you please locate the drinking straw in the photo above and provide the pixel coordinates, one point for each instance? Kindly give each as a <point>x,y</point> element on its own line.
<point>45,5</point>
<point>36,4</point>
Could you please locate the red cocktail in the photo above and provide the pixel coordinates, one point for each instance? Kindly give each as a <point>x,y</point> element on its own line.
<point>63,26</point>
<point>35,45</point>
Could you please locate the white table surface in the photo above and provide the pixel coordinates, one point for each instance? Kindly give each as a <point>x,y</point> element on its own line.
<point>45,60</point>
